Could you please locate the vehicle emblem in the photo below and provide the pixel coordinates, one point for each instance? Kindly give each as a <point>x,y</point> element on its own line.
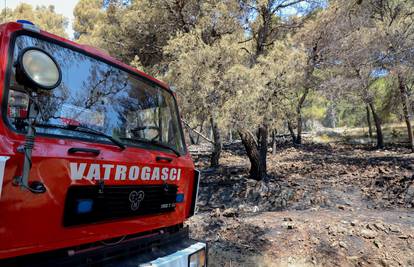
<point>135,198</point>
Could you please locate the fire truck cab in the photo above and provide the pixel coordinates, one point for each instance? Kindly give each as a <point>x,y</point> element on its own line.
<point>94,170</point>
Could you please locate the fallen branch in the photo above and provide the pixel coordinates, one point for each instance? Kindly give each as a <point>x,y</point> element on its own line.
<point>197,132</point>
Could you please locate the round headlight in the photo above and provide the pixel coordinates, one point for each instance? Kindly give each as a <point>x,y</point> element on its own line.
<point>40,68</point>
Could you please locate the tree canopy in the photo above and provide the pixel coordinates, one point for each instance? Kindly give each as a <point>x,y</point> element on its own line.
<point>252,68</point>
<point>44,17</point>
<point>269,65</point>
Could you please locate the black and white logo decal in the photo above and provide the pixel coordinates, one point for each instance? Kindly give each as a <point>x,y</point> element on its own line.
<point>135,198</point>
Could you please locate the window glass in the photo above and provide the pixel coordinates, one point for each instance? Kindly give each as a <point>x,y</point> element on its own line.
<point>100,96</point>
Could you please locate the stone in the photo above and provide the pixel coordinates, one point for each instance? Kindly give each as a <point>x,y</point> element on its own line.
<point>368,234</point>
<point>230,212</point>
<point>380,226</point>
<point>409,194</point>
<point>377,244</point>
<point>404,236</point>
<point>394,228</point>
<point>290,225</point>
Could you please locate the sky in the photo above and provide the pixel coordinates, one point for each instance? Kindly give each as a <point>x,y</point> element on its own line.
<point>64,7</point>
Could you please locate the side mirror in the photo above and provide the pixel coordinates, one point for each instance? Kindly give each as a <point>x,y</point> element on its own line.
<point>37,69</point>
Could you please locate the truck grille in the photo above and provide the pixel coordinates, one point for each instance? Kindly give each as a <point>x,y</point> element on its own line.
<point>87,204</point>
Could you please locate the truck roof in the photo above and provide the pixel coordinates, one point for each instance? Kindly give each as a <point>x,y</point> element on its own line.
<point>14,26</point>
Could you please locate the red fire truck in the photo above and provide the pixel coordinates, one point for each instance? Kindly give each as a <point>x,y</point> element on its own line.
<point>94,170</point>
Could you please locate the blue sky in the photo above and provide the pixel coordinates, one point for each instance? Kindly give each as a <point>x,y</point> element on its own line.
<point>64,7</point>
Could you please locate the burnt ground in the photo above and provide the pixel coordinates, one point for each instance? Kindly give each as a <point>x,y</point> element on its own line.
<point>322,205</point>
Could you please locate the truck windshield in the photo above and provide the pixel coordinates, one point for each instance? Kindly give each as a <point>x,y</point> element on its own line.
<point>98,96</point>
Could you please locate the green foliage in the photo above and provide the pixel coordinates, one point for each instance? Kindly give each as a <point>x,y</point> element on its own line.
<point>351,114</point>
<point>44,17</point>
<point>244,65</point>
<point>316,107</point>
<point>89,15</point>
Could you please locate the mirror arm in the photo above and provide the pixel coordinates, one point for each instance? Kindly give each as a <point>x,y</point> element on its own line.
<point>23,181</point>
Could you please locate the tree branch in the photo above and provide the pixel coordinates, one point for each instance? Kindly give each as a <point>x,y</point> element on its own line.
<point>197,132</point>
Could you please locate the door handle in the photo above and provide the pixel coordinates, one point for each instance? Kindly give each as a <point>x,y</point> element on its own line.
<point>74,150</point>
<point>165,159</point>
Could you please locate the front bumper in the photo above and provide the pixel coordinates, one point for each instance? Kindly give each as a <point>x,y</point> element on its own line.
<point>161,248</point>
<point>180,258</point>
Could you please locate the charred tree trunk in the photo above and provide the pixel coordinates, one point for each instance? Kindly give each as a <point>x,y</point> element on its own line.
<point>406,110</point>
<point>377,121</point>
<point>263,134</point>
<point>369,122</point>
<point>256,171</point>
<point>291,131</point>
<point>274,142</point>
<point>215,156</point>
<point>299,129</point>
<point>193,142</point>
<point>299,116</point>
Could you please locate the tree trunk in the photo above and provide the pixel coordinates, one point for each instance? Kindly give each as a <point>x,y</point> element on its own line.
<point>274,142</point>
<point>292,132</point>
<point>263,31</point>
<point>263,134</point>
<point>299,116</point>
<point>377,121</point>
<point>299,128</point>
<point>215,155</point>
<point>406,110</point>
<point>369,122</point>
<point>193,142</point>
<point>198,136</point>
<point>256,172</point>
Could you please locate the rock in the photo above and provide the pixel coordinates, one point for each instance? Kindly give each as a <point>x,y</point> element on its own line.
<point>368,234</point>
<point>394,228</point>
<point>380,227</point>
<point>409,194</point>
<point>254,195</point>
<point>382,169</point>
<point>314,240</point>
<point>343,245</point>
<point>287,219</point>
<point>410,167</point>
<point>341,207</point>
<point>333,230</point>
<point>289,225</point>
<point>230,212</point>
<point>216,212</point>
<point>404,236</point>
<point>370,227</point>
<point>377,244</point>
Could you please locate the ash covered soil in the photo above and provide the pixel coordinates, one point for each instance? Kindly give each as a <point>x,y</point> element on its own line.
<point>322,205</point>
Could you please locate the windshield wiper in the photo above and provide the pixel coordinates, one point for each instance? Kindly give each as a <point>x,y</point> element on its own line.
<point>83,129</point>
<point>155,143</point>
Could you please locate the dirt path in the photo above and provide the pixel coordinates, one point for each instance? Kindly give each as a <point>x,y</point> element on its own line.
<point>321,206</point>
